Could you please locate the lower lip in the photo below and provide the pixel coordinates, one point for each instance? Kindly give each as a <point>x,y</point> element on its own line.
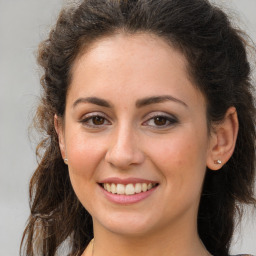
<point>124,199</point>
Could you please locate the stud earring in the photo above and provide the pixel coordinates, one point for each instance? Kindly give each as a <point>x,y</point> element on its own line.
<point>65,160</point>
<point>218,162</point>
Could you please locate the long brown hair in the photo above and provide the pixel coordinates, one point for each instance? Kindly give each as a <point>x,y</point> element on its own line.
<point>216,53</point>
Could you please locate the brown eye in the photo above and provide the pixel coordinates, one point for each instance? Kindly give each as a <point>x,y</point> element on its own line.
<point>98,120</point>
<point>95,121</point>
<point>160,120</point>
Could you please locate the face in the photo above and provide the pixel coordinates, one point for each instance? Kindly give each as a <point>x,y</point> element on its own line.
<point>135,135</point>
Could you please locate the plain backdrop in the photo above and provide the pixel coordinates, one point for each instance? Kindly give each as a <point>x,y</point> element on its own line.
<point>23,24</point>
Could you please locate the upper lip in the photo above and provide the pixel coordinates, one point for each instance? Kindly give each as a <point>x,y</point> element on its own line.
<point>126,181</point>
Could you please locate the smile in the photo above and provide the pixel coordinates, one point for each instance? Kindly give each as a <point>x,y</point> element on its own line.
<point>128,189</point>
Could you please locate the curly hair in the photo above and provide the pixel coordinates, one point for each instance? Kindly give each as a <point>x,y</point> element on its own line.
<point>218,63</point>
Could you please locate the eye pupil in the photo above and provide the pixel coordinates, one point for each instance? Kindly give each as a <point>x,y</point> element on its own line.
<point>98,120</point>
<point>160,120</point>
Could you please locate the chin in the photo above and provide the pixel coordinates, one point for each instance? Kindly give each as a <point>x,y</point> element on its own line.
<point>127,225</point>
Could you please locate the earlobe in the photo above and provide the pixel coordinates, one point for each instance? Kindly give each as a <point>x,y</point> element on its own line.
<point>59,130</point>
<point>223,140</point>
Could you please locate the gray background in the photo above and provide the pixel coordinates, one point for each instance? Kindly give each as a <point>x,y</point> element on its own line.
<point>23,24</point>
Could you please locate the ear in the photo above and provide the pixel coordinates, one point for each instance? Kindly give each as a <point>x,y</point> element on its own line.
<point>223,140</point>
<point>58,124</point>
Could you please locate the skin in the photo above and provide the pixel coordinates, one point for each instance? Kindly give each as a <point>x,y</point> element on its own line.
<point>127,141</point>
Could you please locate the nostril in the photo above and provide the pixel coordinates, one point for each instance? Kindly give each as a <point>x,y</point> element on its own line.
<point>123,159</point>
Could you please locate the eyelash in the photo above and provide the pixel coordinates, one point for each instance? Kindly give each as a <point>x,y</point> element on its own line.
<point>89,118</point>
<point>170,120</point>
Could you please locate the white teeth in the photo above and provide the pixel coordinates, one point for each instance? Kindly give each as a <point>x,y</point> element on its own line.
<point>144,187</point>
<point>108,187</point>
<point>137,188</point>
<point>120,189</point>
<point>129,189</point>
<point>113,188</point>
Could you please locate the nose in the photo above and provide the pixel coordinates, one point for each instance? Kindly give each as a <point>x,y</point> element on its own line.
<point>124,150</point>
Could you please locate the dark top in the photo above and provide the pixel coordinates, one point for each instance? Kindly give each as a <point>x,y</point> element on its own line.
<point>242,255</point>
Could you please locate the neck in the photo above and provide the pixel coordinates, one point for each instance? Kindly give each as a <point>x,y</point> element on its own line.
<point>179,240</point>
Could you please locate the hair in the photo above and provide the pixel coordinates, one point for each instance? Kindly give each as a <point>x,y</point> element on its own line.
<point>217,62</point>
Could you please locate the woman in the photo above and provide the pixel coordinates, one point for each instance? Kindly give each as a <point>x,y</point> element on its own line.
<point>148,121</point>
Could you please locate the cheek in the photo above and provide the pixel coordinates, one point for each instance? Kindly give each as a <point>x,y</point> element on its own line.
<point>181,160</point>
<point>85,155</point>
<point>179,151</point>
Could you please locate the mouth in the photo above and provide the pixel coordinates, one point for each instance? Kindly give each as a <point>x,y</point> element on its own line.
<point>128,189</point>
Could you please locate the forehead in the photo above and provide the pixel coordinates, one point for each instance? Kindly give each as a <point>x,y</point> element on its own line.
<point>132,64</point>
<point>122,47</point>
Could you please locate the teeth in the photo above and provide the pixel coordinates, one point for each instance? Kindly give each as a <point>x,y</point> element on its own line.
<point>113,188</point>
<point>150,186</point>
<point>120,189</point>
<point>129,189</point>
<point>108,187</point>
<point>137,188</point>
<point>144,187</point>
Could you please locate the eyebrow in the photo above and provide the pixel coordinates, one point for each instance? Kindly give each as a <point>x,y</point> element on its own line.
<point>158,99</point>
<point>93,100</point>
<point>139,103</point>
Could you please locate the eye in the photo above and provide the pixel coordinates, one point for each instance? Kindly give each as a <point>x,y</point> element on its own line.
<point>94,120</point>
<point>161,121</point>
<point>98,120</point>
